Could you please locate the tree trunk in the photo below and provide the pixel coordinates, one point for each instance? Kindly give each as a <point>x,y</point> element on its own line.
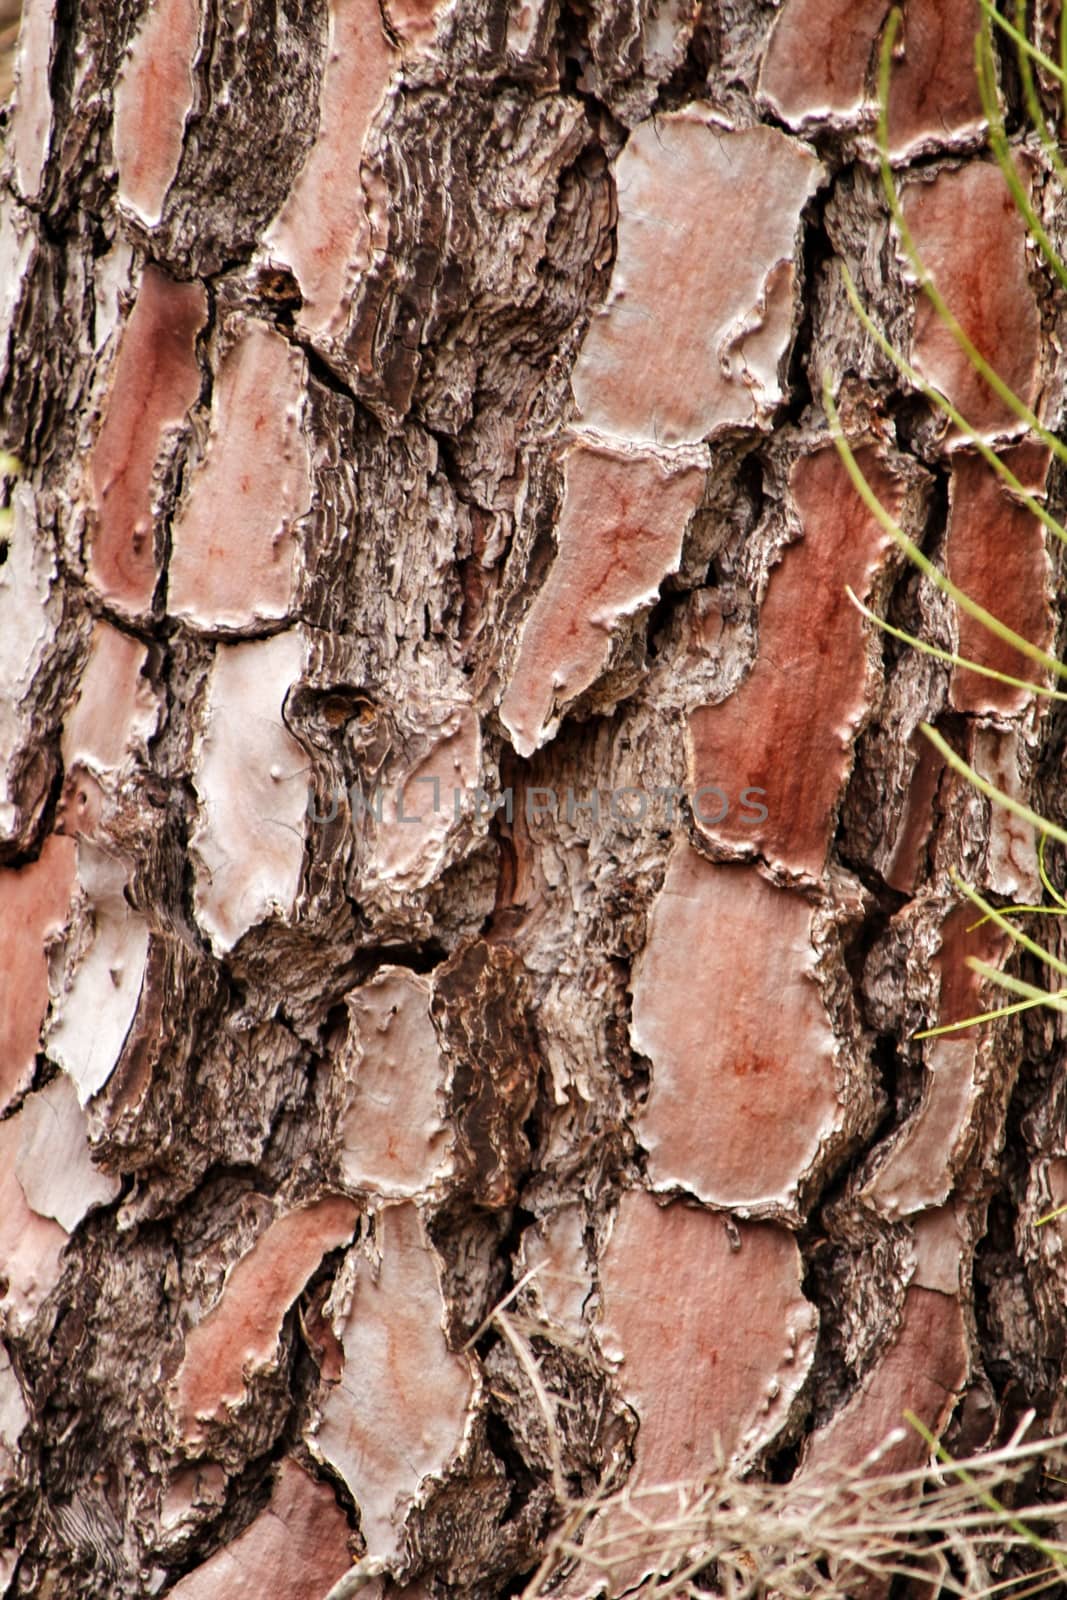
<point>454,824</point>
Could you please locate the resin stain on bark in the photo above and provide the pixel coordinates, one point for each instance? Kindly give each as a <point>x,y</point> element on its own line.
<point>34,902</point>
<point>296,1549</point>
<point>394,1138</point>
<point>239,1336</point>
<point>807,690</point>
<point>620,533</point>
<point>251,779</point>
<point>323,232</point>
<point>728,1009</point>
<point>709,225</point>
<point>233,538</point>
<point>153,99</point>
<point>961,221</point>
<point>399,1413</point>
<point>155,380</point>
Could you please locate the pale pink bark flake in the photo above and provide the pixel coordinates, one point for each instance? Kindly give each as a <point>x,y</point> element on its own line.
<point>116,710</point>
<point>31,117</point>
<point>251,779</point>
<point>54,1165</point>
<point>917,1171</point>
<point>394,1138</point>
<point>708,224</point>
<point>30,1245</point>
<point>923,1371</point>
<point>296,1549</point>
<point>620,533</point>
<point>712,1333</point>
<point>819,56</point>
<point>399,1413</point>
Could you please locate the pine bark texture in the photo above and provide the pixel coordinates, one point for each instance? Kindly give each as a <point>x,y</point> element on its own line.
<point>452,820</point>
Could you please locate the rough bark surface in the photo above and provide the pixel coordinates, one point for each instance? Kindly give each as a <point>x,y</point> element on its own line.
<point>452,821</point>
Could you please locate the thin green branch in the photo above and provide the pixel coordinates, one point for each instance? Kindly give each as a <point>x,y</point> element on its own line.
<point>1059,73</point>
<point>914,554</point>
<point>950,656</point>
<point>1001,389</point>
<point>985,71</point>
<point>936,398</point>
<point>1054,999</point>
<point>1033,99</point>
<point>990,790</point>
<point>1055,1555</point>
<point>1023,940</point>
<point>982,1016</point>
<point>1045,879</point>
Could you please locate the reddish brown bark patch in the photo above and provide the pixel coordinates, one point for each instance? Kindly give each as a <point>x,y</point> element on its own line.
<point>961,222</point>
<point>821,61</point>
<point>296,1549</point>
<point>152,101</point>
<point>819,57</point>
<point>116,709</point>
<point>996,554</point>
<point>620,533</point>
<point>34,901</point>
<point>788,729</point>
<point>918,1172</point>
<point>713,1340</point>
<point>156,379</point>
<point>399,1411</point>
<point>323,232</point>
<point>727,1007</point>
<point>923,1371</point>
<point>240,1335</point>
<point>700,311</point>
<point>934,87</point>
<point>233,540</point>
